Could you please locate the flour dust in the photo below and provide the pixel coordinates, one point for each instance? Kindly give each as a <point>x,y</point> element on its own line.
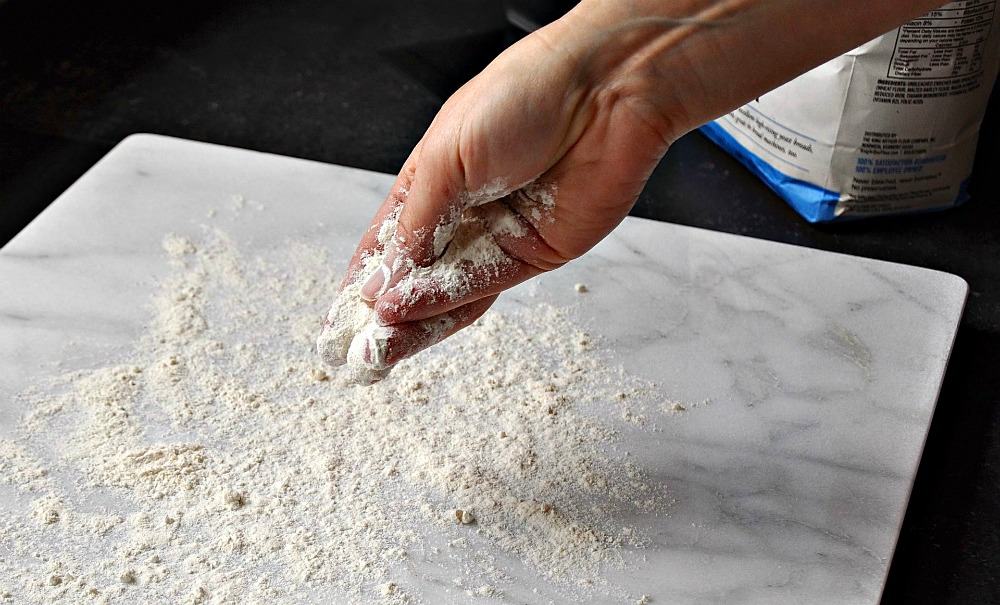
<point>219,463</point>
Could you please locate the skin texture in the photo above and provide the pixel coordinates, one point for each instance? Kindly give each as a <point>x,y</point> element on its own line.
<point>585,108</point>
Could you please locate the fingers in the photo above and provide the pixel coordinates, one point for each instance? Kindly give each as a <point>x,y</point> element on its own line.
<point>370,243</point>
<point>435,201</point>
<point>376,236</point>
<point>381,347</point>
<point>496,250</point>
<point>426,222</point>
<point>427,297</point>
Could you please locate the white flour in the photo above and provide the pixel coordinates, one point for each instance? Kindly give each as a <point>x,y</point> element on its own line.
<point>216,463</point>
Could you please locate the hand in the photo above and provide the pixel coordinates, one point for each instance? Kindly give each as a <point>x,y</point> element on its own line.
<point>561,141</point>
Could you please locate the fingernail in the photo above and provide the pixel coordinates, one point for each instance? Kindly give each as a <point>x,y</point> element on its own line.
<point>376,284</point>
<point>380,281</point>
<point>370,347</point>
<point>366,353</point>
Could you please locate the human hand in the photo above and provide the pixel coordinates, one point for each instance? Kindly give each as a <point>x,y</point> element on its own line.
<point>545,137</point>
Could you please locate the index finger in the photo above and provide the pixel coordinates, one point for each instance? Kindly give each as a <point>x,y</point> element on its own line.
<point>374,239</point>
<point>496,249</point>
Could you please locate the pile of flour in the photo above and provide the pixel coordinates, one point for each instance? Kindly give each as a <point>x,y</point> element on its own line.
<point>218,463</point>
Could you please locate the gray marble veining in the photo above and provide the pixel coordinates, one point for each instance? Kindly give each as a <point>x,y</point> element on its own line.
<point>819,372</point>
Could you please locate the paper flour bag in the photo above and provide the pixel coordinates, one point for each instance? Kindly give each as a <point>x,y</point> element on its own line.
<point>888,128</point>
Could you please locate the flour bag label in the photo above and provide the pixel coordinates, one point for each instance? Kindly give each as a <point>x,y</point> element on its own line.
<point>888,128</point>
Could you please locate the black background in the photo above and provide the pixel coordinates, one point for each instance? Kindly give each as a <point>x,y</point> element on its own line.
<point>356,84</point>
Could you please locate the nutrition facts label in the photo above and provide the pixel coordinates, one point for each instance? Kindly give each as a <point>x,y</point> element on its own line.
<point>946,43</point>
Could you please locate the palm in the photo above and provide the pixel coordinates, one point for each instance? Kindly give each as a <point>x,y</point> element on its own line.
<point>593,149</point>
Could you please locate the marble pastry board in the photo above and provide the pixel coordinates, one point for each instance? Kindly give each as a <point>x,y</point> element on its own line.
<point>819,371</point>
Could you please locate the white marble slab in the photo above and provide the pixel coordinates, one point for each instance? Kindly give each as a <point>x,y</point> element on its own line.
<point>821,371</point>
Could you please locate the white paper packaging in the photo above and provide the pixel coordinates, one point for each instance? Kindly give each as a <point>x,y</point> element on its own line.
<point>888,128</point>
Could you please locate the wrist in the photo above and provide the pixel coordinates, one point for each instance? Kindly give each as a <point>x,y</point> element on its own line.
<point>640,53</point>
<point>702,58</point>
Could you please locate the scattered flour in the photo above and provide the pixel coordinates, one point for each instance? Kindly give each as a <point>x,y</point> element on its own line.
<point>211,465</point>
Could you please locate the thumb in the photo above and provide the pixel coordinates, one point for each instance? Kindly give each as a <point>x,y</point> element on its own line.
<point>431,209</point>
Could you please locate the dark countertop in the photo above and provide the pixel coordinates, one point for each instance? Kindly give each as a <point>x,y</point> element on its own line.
<point>357,84</point>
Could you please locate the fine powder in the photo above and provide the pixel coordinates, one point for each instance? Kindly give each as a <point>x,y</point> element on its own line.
<point>218,463</point>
